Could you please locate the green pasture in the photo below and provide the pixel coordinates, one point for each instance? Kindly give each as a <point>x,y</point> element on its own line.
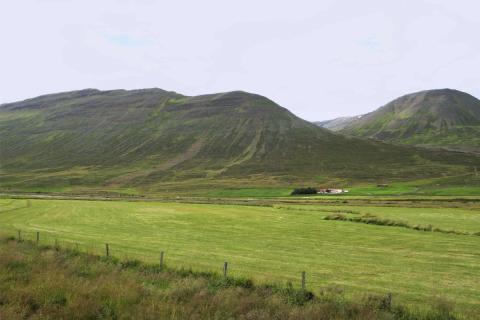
<point>275,243</point>
<point>456,219</point>
<point>461,185</point>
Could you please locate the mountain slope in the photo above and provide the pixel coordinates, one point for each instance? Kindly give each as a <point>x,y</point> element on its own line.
<point>435,118</point>
<point>149,138</point>
<point>336,124</point>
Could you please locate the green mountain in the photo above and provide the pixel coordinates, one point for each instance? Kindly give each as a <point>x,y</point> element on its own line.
<point>152,139</point>
<point>434,118</point>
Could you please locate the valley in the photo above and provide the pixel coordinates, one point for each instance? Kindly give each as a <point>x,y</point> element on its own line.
<point>242,160</point>
<point>124,175</point>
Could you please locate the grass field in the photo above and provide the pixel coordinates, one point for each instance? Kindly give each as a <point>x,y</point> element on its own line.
<point>275,243</point>
<point>94,287</point>
<point>462,185</point>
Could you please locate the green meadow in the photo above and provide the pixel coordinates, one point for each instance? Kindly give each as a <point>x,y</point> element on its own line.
<point>275,242</point>
<point>462,185</point>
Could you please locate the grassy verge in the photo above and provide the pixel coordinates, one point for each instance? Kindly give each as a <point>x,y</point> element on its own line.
<point>44,282</point>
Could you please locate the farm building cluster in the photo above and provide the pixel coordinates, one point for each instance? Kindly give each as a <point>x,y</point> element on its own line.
<point>331,191</point>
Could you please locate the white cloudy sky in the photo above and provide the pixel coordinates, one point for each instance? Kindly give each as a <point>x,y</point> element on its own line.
<point>320,59</point>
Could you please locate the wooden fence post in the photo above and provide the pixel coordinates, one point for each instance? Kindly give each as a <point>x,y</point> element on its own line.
<point>225,267</point>
<point>38,237</point>
<point>161,259</point>
<point>107,250</point>
<point>19,235</point>
<point>303,280</point>
<point>56,243</point>
<point>389,301</point>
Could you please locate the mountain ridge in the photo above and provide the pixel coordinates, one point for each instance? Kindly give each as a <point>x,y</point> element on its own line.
<point>445,118</point>
<point>152,137</point>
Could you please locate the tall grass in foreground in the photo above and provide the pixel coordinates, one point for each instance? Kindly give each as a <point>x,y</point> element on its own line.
<point>51,283</point>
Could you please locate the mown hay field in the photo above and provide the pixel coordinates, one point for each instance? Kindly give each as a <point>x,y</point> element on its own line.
<point>276,243</point>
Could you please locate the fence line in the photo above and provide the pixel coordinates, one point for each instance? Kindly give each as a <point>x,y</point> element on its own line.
<point>108,251</point>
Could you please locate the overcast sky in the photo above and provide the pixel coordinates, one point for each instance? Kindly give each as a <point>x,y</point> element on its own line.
<point>320,59</point>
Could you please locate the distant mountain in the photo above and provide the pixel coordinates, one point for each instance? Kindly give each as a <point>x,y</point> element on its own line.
<point>152,138</point>
<point>434,118</point>
<point>337,123</point>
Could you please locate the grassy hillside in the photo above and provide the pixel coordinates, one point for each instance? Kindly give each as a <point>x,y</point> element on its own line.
<point>152,139</point>
<point>274,243</point>
<point>434,118</point>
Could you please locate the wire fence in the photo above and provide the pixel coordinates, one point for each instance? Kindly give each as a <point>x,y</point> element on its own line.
<point>162,257</point>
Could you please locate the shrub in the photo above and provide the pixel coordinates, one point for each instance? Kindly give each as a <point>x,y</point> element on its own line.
<point>308,190</point>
